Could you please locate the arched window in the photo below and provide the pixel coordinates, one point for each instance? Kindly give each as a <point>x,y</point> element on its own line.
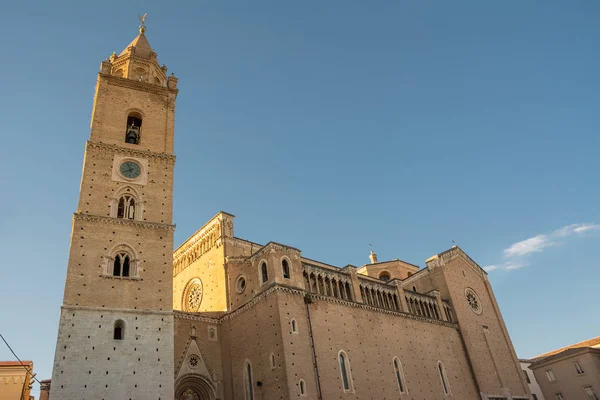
<point>384,276</point>
<point>294,326</point>
<point>264,274</point>
<point>119,330</point>
<point>443,377</point>
<point>126,207</point>
<point>121,265</point>
<point>285,267</point>
<point>133,129</point>
<point>248,380</point>
<point>302,388</point>
<point>345,371</point>
<point>399,376</point>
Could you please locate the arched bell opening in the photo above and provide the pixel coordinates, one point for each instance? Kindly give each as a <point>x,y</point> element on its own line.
<point>133,130</point>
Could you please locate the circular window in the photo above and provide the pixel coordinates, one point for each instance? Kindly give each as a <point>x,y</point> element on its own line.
<point>385,276</point>
<point>473,300</point>
<point>193,361</point>
<point>192,297</point>
<point>240,284</point>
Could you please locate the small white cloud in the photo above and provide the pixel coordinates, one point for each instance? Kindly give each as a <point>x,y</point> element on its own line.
<point>586,227</point>
<point>528,246</point>
<point>509,266</point>
<point>517,252</point>
<point>515,265</point>
<point>574,228</point>
<point>565,230</point>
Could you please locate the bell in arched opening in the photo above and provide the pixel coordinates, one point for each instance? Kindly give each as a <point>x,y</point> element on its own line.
<point>134,127</point>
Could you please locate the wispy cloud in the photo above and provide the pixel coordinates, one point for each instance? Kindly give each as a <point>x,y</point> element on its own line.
<point>507,266</point>
<point>518,252</point>
<point>535,244</point>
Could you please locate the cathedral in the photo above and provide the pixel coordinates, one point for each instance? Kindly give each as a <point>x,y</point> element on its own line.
<point>222,317</point>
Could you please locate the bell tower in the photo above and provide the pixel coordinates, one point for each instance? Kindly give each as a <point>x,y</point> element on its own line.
<point>115,338</point>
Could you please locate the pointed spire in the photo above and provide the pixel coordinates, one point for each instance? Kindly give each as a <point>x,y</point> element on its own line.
<point>140,47</point>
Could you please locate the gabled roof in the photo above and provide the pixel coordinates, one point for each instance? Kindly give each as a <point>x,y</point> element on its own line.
<point>536,362</point>
<point>593,342</point>
<point>141,45</point>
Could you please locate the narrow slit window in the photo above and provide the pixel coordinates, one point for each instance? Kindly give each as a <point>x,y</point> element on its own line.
<point>345,371</point>
<point>264,274</point>
<point>589,392</point>
<point>117,266</point>
<point>444,378</point>
<point>286,269</point>
<point>248,380</point>
<point>399,375</point>
<point>126,266</point>
<point>294,326</point>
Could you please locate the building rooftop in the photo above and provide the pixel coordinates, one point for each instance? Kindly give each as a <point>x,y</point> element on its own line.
<point>594,342</point>
<point>14,363</point>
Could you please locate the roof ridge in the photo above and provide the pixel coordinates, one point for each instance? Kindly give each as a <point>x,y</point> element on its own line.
<point>592,342</point>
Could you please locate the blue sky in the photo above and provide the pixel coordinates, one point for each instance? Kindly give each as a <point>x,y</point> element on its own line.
<point>328,126</point>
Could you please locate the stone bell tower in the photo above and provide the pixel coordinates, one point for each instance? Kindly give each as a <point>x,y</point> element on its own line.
<point>115,338</point>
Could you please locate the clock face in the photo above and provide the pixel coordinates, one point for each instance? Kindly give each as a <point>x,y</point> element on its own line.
<point>130,169</point>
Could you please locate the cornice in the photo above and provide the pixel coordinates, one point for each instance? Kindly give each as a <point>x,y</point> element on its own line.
<point>195,317</point>
<point>273,247</point>
<point>416,276</point>
<point>131,152</point>
<point>78,216</point>
<point>137,85</point>
<point>213,225</point>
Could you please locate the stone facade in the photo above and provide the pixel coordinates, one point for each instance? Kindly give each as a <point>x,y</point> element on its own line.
<point>225,318</point>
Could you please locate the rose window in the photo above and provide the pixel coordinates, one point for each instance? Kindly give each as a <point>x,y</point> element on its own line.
<point>193,295</point>
<point>473,300</point>
<point>193,361</point>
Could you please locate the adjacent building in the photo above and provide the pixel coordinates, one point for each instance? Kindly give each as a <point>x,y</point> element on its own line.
<point>534,387</point>
<point>223,317</point>
<point>15,380</point>
<point>571,372</point>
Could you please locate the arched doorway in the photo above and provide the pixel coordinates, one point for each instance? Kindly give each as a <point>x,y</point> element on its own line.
<point>194,387</point>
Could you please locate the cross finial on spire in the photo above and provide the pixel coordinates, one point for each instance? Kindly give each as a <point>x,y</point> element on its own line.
<point>142,19</point>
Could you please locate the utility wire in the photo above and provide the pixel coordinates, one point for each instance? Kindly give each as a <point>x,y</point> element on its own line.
<point>21,362</point>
